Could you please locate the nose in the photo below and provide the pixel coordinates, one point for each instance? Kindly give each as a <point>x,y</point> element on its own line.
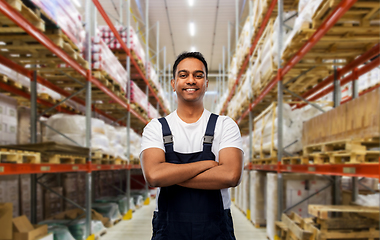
<point>191,80</point>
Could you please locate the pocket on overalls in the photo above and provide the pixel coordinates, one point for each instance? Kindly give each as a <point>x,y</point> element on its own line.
<point>158,228</point>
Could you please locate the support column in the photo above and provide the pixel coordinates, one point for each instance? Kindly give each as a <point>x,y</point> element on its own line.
<point>337,100</point>
<point>128,67</point>
<point>147,200</point>
<point>33,139</point>
<point>236,24</point>
<point>355,94</point>
<point>280,112</point>
<point>224,72</point>
<point>90,29</point>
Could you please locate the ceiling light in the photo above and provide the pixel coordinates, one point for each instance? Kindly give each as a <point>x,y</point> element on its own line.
<point>192,28</point>
<point>191,3</point>
<point>192,49</point>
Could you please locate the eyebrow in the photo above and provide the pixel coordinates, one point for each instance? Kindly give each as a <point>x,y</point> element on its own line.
<point>196,71</point>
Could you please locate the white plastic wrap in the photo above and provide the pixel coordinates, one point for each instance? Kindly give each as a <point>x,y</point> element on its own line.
<point>245,191</point>
<point>246,149</point>
<point>257,196</point>
<point>271,205</point>
<point>370,200</point>
<point>78,138</point>
<point>100,142</point>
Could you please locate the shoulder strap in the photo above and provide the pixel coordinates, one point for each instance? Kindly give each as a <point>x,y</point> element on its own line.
<point>209,135</point>
<point>166,134</point>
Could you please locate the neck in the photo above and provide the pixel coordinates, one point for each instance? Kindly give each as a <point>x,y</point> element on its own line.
<point>190,114</point>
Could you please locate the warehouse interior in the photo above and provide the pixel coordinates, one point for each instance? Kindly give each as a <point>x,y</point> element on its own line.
<point>80,79</point>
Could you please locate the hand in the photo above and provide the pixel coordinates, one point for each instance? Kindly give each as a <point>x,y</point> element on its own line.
<point>211,163</point>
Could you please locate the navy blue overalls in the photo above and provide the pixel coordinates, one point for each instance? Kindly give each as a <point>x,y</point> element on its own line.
<point>186,213</point>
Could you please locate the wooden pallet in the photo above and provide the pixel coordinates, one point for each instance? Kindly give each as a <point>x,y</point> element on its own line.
<point>351,226</point>
<point>265,161</point>
<point>295,160</point>
<point>99,155</point>
<point>33,16</point>
<point>19,156</point>
<point>323,211</point>
<point>65,159</point>
<point>99,234</point>
<point>345,151</point>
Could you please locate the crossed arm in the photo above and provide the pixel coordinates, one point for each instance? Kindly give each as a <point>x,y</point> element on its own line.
<point>201,175</point>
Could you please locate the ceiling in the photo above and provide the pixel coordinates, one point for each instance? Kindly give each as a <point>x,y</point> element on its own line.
<point>210,17</point>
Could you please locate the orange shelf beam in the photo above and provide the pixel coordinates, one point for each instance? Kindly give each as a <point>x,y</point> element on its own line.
<point>370,170</point>
<point>18,19</point>
<point>338,12</point>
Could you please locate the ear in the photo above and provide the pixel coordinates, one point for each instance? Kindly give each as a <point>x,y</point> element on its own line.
<point>206,83</point>
<point>172,82</point>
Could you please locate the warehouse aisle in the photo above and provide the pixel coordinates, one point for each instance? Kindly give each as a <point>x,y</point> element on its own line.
<point>140,227</point>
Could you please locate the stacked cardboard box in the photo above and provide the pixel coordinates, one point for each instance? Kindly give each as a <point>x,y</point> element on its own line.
<point>53,203</point>
<point>9,192</point>
<point>8,120</point>
<point>70,182</point>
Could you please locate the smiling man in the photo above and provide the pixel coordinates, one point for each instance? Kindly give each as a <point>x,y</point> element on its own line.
<point>194,157</point>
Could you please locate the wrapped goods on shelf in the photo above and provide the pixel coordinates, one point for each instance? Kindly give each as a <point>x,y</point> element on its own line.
<point>8,120</point>
<point>9,192</point>
<point>246,147</point>
<point>245,191</point>
<point>369,79</point>
<point>108,37</point>
<point>232,73</point>
<point>244,43</point>
<point>355,119</point>
<point>305,17</point>
<point>296,188</point>
<point>103,59</point>
<point>113,135</point>
<point>139,98</point>
<point>108,210</point>
<point>66,16</point>
<point>257,197</point>
<point>221,102</point>
<point>60,231</point>
<point>120,200</point>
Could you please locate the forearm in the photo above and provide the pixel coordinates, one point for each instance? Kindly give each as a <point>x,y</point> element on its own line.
<point>167,174</point>
<point>214,178</point>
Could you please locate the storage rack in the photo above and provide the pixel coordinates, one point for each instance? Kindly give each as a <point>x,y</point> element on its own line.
<point>259,104</point>
<point>120,103</point>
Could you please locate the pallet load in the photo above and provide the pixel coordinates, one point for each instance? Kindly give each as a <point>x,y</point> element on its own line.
<point>74,127</point>
<point>140,103</point>
<point>323,225</point>
<point>296,188</point>
<point>134,143</point>
<point>106,66</point>
<point>257,203</point>
<point>348,133</point>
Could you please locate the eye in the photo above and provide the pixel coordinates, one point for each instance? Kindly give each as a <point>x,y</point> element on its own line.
<point>182,75</point>
<point>199,76</point>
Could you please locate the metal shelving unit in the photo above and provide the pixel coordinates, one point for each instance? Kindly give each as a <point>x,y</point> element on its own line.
<point>125,111</point>
<point>351,170</point>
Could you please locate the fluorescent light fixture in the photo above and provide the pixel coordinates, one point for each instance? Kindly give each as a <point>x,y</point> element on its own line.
<point>77,3</point>
<point>191,3</point>
<point>192,49</point>
<point>192,28</point>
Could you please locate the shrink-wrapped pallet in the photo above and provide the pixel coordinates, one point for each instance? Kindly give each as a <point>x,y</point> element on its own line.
<point>66,16</point>
<point>74,127</point>
<point>8,120</point>
<point>103,59</point>
<point>296,187</point>
<point>139,98</point>
<point>245,192</point>
<point>257,197</point>
<point>9,192</point>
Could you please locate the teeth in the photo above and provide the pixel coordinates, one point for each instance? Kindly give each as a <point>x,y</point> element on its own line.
<point>190,90</point>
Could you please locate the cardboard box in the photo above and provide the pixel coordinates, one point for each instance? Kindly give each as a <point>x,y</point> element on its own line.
<point>24,230</point>
<point>6,211</point>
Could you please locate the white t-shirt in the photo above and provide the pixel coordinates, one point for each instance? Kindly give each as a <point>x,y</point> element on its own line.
<point>188,138</point>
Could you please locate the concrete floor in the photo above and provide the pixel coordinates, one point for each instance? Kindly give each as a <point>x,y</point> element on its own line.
<point>140,226</point>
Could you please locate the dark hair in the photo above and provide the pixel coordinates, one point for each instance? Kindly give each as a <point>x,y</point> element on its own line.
<point>185,55</point>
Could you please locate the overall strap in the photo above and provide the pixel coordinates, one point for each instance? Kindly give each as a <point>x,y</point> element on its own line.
<point>167,135</point>
<point>209,135</point>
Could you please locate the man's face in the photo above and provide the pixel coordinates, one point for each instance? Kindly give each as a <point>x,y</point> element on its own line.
<point>190,80</point>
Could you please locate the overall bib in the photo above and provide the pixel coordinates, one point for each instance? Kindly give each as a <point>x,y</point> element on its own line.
<point>186,213</point>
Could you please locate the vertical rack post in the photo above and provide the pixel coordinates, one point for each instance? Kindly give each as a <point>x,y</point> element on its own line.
<point>224,70</point>
<point>90,28</point>
<point>355,94</point>
<point>236,24</point>
<point>229,49</point>
<point>280,111</point>
<point>250,131</point>
<point>121,12</point>
<point>170,90</point>
<point>337,99</point>
<point>166,87</point>
<point>158,49</point>
<point>33,139</point>
<point>146,73</point>
<point>128,67</point>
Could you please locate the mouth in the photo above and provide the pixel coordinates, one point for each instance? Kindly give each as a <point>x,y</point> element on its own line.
<point>190,90</point>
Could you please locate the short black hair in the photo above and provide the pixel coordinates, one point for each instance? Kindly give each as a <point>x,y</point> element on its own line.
<point>185,55</point>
